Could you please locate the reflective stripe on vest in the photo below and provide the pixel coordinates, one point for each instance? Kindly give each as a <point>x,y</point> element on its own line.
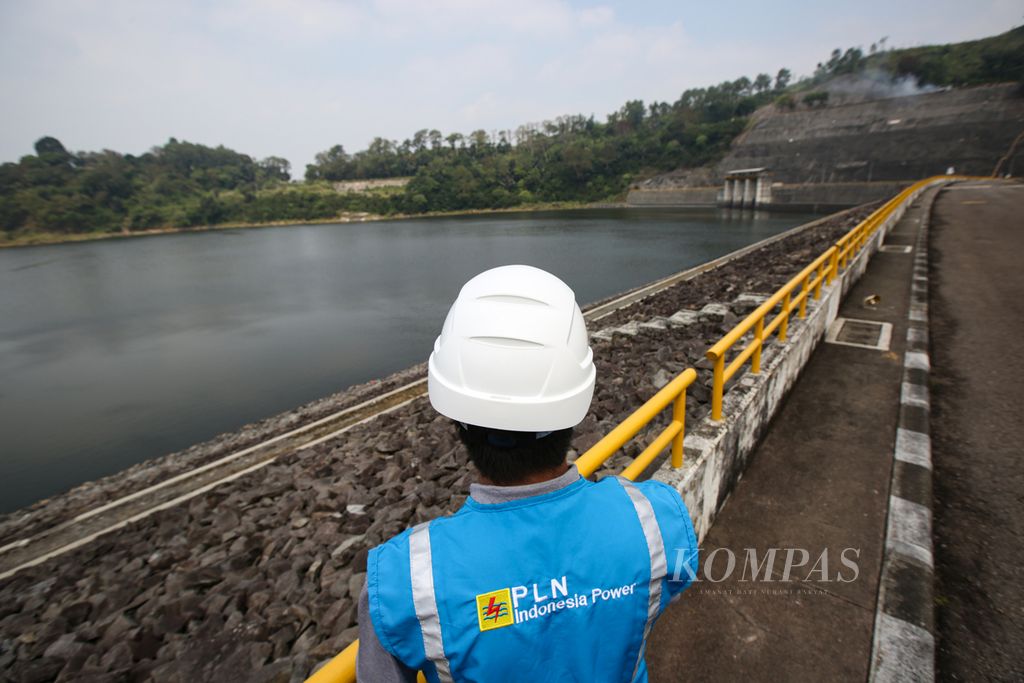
<point>659,565</point>
<point>424,600</point>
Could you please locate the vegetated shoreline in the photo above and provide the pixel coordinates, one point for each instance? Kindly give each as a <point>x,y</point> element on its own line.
<point>40,239</point>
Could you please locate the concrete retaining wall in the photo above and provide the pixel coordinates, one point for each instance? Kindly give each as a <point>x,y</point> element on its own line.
<point>812,197</point>
<point>682,196</point>
<point>832,196</point>
<point>716,453</point>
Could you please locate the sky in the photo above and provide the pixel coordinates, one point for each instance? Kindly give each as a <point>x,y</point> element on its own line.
<point>291,78</point>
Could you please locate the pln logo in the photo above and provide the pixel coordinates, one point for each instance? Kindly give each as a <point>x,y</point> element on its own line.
<point>494,609</point>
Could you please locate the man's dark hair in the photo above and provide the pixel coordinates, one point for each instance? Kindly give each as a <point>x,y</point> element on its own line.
<point>507,457</point>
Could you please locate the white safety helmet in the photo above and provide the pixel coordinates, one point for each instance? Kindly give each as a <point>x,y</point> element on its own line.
<point>513,354</point>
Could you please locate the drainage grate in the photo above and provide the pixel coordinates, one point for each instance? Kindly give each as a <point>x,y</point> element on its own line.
<point>896,248</point>
<point>865,334</point>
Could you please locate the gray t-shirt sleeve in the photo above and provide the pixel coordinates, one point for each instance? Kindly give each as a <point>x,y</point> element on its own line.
<point>374,664</point>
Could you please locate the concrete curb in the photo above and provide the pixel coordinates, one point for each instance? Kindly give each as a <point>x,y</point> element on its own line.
<point>903,645</point>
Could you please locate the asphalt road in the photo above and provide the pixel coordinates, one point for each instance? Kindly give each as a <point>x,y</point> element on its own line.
<point>977,316</point>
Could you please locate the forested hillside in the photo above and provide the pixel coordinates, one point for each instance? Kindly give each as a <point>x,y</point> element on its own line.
<point>571,159</point>
<point>574,158</point>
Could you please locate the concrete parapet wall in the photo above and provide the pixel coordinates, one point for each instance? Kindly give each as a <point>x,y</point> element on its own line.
<point>369,184</point>
<point>824,196</point>
<point>814,197</point>
<point>716,453</point>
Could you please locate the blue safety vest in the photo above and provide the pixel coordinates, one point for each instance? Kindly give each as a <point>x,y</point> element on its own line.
<point>563,586</point>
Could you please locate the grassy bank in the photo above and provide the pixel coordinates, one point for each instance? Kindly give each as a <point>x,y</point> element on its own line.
<point>37,238</point>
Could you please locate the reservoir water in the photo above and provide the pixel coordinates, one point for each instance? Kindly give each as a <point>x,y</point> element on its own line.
<point>117,351</point>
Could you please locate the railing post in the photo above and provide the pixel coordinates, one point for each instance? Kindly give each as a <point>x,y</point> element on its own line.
<point>820,279</point>
<point>755,362</point>
<point>833,266</point>
<point>718,388</point>
<point>679,415</point>
<point>785,316</point>
<point>806,291</point>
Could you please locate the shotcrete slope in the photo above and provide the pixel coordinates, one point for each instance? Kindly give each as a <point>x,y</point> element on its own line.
<point>894,138</point>
<point>901,138</point>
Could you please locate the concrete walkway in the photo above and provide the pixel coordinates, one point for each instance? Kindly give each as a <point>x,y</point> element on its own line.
<point>977,313</point>
<point>818,483</point>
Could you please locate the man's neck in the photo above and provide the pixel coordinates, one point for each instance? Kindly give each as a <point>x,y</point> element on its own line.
<point>545,482</point>
<point>533,478</point>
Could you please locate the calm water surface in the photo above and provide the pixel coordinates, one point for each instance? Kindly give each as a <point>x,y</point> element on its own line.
<point>118,351</point>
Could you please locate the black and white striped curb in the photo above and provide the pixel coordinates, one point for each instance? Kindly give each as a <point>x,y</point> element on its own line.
<point>903,648</point>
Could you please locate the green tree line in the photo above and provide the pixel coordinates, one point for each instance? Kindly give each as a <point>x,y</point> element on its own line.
<point>997,59</point>
<point>573,158</point>
<point>182,184</point>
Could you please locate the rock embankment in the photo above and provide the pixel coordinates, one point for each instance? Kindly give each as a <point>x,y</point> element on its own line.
<point>257,579</point>
<point>50,512</point>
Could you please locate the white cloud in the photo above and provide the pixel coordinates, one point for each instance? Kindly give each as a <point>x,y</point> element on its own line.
<point>287,20</point>
<point>624,59</point>
<point>468,65</point>
<point>482,109</point>
<point>597,16</point>
<point>473,18</point>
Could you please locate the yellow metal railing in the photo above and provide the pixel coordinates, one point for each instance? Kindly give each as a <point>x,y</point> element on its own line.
<point>341,669</point>
<point>792,296</point>
<point>808,281</point>
<point>675,393</point>
<point>850,244</point>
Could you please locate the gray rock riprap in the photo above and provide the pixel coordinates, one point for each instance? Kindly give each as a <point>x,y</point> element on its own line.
<point>258,579</point>
<point>51,511</point>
